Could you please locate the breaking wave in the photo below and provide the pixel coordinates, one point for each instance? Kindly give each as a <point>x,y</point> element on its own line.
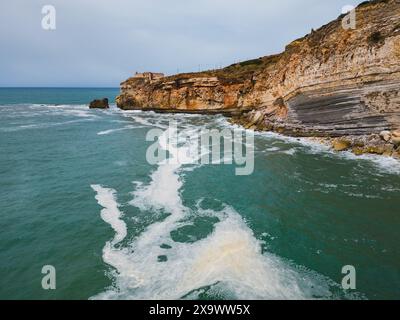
<point>40,116</point>
<point>307,145</point>
<point>110,213</point>
<point>228,263</point>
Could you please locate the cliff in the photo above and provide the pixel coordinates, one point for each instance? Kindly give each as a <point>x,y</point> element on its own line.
<point>333,82</point>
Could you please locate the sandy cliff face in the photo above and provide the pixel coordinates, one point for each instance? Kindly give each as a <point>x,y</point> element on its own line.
<point>333,82</point>
<point>203,92</point>
<point>336,81</point>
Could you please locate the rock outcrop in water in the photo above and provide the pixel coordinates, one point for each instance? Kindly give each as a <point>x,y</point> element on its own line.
<point>333,82</point>
<point>99,104</point>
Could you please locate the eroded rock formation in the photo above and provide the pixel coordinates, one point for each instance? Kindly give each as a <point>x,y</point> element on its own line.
<point>333,82</point>
<point>99,104</point>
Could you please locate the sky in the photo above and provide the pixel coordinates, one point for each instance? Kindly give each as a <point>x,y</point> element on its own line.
<point>100,43</point>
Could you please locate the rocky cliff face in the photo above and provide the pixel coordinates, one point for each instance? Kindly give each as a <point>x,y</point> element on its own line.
<point>333,82</point>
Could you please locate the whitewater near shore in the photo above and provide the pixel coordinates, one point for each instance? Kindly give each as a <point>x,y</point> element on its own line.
<point>117,227</point>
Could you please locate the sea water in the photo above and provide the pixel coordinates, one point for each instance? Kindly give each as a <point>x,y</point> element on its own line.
<point>77,193</point>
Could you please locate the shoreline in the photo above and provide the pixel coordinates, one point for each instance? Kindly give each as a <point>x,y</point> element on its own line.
<point>368,144</point>
<point>225,112</point>
<point>385,143</point>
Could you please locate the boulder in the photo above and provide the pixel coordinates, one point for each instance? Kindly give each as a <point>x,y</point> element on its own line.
<point>385,135</point>
<point>358,143</point>
<point>99,104</point>
<point>388,150</point>
<point>248,125</point>
<point>358,151</point>
<point>396,154</point>
<point>396,133</point>
<point>395,141</point>
<point>375,149</point>
<point>341,144</point>
<point>258,117</point>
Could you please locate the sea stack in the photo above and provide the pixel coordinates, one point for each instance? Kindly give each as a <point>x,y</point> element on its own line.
<point>99,104</point>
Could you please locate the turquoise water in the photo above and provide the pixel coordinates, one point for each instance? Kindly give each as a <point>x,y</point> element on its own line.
<point>77,193</point>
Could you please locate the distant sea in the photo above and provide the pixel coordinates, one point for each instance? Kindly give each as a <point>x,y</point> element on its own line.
<point>77,193</point>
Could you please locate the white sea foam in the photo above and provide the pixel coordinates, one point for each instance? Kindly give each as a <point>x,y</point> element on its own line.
<point>228,261</point>
<point>25,113</point>
<point>383,163</point>
<point>75,111</point>
<point>40,125</point>
<point>290,152</point>
<point>145,119</point>
<point>79,111</point>
<point>110,212</point>
<point>272,149</point>
<point>163,191</point>
<point>110,131</point>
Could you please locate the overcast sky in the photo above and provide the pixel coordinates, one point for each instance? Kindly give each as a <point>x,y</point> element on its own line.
<point>103,42</point>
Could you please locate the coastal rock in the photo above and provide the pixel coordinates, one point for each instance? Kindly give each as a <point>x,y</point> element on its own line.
<point>396,133</point>
<point>395,141</point>
<point>396,154</point>
<point>258,117</point>
<point>358,151</point>
<point>380,149</point>
<point>341,144</point>
<point>375,149</point>
<point>385,135</point>
<point>99,104</point>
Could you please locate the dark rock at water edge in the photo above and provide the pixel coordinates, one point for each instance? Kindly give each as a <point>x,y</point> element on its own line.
<point>99,104</point>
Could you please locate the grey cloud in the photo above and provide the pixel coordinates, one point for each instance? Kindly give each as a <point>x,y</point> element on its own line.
<point>102,42</point>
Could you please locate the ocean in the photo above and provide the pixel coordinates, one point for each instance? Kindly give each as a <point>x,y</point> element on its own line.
<point>77,193</point>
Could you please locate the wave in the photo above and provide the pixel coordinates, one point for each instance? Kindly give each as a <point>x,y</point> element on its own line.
<point>26,116</point>
<point>74,110</point>
<point>383,163</point>
<point>110,131</point>
<point>40,125</point>
<point>106,198</point>
<point>229,262</point>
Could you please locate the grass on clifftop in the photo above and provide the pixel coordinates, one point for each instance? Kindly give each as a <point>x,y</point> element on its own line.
<point>235,73</point>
